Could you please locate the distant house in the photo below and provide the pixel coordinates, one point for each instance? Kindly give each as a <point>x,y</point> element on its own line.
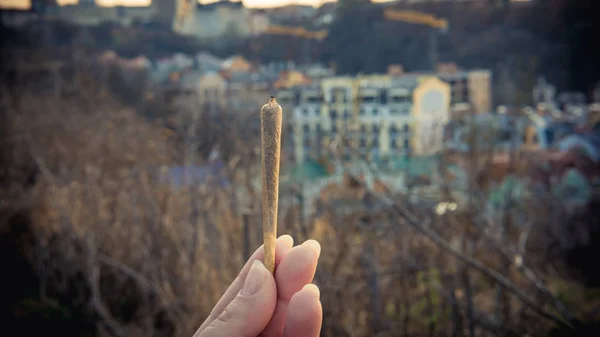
<point>289,79</point>
<point>247,89</point>
<point>169,68</point>
<point>237,63</point>
<point>212,92</point>
<point>259,22</point>
<point>588,144</point>
<point>471,87</point>
<point>207,62</point>
<point>318,71</point>
<point>222,19</point>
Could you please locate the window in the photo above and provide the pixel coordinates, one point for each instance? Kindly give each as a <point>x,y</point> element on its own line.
<point>400,99</point>
<point>383,97</point>
<point>375,136</point>
<point>290,136</point>
<point>306,128</point>
<point>284,100</point>
<point>319,133</point>
<point>393,137</point>
<point>333,115</point>
<point>339,96</point>
<point>368,99</point>
<point>313,99</point>
<point>346,114</point>
<point>375,111</point>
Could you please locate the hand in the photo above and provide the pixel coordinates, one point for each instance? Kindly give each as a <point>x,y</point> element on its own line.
<point>258,304</point>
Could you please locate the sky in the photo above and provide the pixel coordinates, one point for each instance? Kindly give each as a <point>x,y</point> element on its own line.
<point>249,3</point>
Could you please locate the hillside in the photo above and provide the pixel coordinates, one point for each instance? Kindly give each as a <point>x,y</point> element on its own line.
<point>554,38</point>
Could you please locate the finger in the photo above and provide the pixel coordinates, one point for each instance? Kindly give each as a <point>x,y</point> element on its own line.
<point>284,244</point>
<point>250,310</point>
<point>305,313</point>
<point>296,270</point>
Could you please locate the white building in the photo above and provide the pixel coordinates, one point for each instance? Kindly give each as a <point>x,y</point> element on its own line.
<point>375,117</point>
<point>222,19</point>
<point>259,23</point>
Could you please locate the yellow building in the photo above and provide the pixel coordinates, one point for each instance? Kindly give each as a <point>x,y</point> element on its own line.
<point>430,113</point>
<point>377,117</point>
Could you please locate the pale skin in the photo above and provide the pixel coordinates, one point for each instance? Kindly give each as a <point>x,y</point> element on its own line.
<point>259,303</point>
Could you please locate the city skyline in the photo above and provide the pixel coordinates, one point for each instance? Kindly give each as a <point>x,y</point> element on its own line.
<point>25,4</point>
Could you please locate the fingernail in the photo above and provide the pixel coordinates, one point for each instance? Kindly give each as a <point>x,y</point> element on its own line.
<point>313,289</point>
<point>288,240</point>
<point>314,245</point>
<point>255,278</point>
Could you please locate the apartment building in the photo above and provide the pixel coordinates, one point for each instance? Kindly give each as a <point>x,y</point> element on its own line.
<point>375,117</point>
<point>306,123</point>
<point>472,87</point>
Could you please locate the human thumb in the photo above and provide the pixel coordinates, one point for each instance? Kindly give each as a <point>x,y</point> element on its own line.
<point>251,310</point>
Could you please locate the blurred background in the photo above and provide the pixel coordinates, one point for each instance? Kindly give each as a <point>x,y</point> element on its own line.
<point>446,154</point>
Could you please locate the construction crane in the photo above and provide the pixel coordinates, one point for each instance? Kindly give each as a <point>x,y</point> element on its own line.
<point>299,32</point>
<point>296,32</point>
<point>419,18</point>
<point>415,17</point>
<point>389,14</point>
<point>408,16</point>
